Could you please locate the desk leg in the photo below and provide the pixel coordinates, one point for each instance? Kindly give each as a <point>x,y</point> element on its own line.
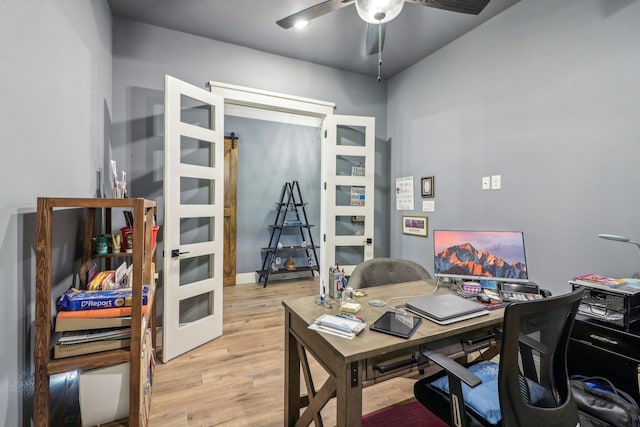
<point>291,376</point>
<point>308,380</point>
<point>349,395</point>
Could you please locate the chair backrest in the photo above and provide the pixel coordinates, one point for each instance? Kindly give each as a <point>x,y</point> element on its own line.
<point>533,382</point>
<point>385,271</point>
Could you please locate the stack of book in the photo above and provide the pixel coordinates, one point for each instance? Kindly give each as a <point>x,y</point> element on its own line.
<point>93,321</point>
<point>75,343</point>
<point>342,326</point>
<point>625,286</point>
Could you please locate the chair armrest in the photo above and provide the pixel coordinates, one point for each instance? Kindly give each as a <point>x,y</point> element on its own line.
<point>453,368</point>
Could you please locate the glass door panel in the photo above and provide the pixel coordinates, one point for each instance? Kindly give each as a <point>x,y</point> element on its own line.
<point>348,178</point>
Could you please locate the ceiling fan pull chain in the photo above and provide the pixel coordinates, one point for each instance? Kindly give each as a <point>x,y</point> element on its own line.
<point>379,50</point>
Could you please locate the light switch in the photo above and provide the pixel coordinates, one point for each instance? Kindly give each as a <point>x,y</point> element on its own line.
<point>486,182</point>
<point>496,182</point>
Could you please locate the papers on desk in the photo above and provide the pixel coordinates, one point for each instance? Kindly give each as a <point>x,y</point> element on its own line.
<point>338,326</point>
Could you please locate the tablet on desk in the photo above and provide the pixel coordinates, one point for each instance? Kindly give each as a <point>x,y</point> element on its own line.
<point>400,325</point>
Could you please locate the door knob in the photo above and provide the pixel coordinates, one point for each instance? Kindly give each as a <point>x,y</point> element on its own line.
<point>176,253</point>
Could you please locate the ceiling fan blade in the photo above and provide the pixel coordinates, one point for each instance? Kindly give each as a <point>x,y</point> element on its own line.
<point>313,12</point>
<point>472,7</point>
<point>371,38</point>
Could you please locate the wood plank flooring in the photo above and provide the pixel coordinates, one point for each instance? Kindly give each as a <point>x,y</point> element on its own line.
<point>238,379</point>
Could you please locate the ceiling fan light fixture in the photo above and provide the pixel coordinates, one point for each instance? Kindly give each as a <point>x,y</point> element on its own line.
<point>302,23</point>
<point>378,11</point>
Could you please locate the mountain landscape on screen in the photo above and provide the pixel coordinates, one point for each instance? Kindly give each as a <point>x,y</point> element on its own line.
<point>465,260</point>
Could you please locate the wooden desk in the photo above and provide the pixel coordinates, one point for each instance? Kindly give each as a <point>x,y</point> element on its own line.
<point>370,357</point>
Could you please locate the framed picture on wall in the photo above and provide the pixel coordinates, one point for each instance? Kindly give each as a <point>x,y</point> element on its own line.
<point>415,225</point>
<point>427,186</point>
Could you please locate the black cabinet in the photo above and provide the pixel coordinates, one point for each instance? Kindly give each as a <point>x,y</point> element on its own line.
<point>599,349</point>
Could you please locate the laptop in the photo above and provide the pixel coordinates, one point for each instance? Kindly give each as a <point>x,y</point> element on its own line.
<point>445,309</point>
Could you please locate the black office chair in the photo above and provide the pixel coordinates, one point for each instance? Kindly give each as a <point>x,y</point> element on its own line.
<point>529,386</point>
<point>385,271</point>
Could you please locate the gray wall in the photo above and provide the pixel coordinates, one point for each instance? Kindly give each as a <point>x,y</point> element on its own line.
<point>55,102</point>
<point>270,154</point>
<point>143,54</point>
<point>546,95</point>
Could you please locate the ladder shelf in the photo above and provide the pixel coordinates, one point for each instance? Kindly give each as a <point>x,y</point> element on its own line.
<point>290,222</point>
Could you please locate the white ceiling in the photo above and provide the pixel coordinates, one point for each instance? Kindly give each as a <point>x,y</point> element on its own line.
<point>335,40</point>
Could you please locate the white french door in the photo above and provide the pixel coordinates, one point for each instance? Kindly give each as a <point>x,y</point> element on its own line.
<point>348,176</point>
<point>193,217</point>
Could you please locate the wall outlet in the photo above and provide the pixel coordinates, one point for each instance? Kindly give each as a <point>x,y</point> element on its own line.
<point>496,182</point>
<point>486,182</point>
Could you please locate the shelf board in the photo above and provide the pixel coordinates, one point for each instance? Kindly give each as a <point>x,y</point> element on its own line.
<point>88,361</point>
<point>65,202</point>
<point>298,247</point>
<point>292,226</point>
<point>113,255</point>
<point>284,270</point>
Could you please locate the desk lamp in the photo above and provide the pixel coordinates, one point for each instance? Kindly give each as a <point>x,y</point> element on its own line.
<point>622,239</point>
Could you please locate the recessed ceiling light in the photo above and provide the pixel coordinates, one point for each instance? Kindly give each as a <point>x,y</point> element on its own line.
<point>301,23</point>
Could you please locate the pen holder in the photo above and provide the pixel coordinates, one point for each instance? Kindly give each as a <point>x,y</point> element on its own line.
<point>338,284</point>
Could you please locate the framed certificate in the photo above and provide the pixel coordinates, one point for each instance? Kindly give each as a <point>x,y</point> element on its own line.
<point>427,186</point>
<point>415,225</point>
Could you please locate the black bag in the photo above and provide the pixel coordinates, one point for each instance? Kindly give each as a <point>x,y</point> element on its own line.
<point>601,404</point>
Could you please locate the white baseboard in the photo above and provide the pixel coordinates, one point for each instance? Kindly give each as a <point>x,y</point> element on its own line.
<point>243,278</point>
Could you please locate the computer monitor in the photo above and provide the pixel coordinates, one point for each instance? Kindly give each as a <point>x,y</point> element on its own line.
<point>480,255</point>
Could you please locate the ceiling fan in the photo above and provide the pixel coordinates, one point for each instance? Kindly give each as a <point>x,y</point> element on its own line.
<point>376,13</point>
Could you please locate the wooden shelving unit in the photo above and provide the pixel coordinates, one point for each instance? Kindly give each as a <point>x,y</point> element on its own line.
<point>143,259</point>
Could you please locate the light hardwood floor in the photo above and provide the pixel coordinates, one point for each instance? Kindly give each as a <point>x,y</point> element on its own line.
<point>238,379</point>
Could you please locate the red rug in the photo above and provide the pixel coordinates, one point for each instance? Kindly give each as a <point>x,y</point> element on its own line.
<point>411,414</point>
